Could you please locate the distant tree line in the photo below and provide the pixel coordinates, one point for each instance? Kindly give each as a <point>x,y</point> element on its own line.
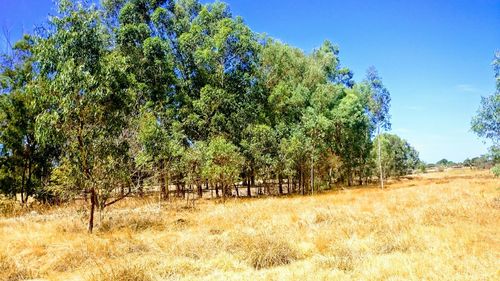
<point>104,101</point>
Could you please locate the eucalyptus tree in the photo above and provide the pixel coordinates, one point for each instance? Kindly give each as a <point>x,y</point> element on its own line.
<point>161,148</point>
<point>292,153</point>
<point>223,51</point>
<point>25,165</point>
<point>283,72</point>
<point>261,148</point>
<point>399,158</point>
<point>350,132</point>
<point>87,102</point>
<point>378,109</point>
<point>223,163</point>
<point>193,161</point>
<point>486,123</point>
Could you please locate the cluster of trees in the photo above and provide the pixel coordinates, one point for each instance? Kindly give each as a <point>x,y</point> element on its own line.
<point>479,162</point>
<point>103,101</point>
<point>398,157</point>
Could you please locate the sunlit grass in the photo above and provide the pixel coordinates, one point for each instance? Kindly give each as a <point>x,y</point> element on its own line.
<point>439,226</point>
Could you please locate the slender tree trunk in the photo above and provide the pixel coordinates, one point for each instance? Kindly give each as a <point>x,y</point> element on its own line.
<point>92,209</point>
<point>216,190</point>
<point>163,192</point>
<point>249,189</point>
<point>28,182</point>
<point>223,192</point>
<point>23,182</point>
<point>288,186</point>
<point>380,159</point>
<point>301,183</point>
<point>349,177</point>
<point>261,192</point>
<point>280,185</point>
<point>200,190</point>
<point>330,178</point>
<point>237,190</point>
<point>140,184</point>
<point>312,175</point>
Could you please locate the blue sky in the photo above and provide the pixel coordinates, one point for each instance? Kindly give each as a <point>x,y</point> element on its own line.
<point>434,56</point>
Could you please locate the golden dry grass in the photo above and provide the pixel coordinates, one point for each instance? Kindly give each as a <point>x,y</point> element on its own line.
<point>440,226</point>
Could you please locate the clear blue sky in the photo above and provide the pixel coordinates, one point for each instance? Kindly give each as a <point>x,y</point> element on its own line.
<point>434,56</point>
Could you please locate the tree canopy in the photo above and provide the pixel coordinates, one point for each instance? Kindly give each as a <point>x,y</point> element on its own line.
<point>109,100</point>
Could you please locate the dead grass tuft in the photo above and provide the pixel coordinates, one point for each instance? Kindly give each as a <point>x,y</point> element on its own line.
<point>11,271</point>
<point>264,249</point>
<point>121,273</point>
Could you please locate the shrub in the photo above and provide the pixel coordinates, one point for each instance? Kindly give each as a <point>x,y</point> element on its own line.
<point>496,170</point>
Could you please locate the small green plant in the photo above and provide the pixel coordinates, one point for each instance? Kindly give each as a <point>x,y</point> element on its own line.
<point>496,170</point>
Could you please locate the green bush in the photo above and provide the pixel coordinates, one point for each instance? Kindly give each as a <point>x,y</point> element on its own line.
<point>496,170</point>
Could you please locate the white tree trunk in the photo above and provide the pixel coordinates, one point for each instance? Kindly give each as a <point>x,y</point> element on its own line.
<point>380,159</point>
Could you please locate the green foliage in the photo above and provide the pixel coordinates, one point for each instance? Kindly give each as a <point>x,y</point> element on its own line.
<point>496,170</point>
<point>163,92</point>
<point>223,163</point>
<point>397,156</point>
<point>25,164</point>
<point>486,123</point>
<point>445,163</point>
<point>422,167</point>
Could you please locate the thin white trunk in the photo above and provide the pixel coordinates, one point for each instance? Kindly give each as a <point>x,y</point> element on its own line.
<point>380,159</point>
<point>312,175</point>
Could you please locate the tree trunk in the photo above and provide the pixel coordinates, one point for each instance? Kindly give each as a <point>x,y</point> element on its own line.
<point>140,185</point>
<point>301,183</point>
<point>288,186</point>
<point>28,182</point>
<point>223,192</point>
<point>163,190</point>
<point>330,178</point>
<point>380,159</point>
<point>216,190</point>
<point>249,191</point>
<point>237,190</point>
<point>163,193</point>
<point>92,209</point>
<point>312,176</point>
<point>23,182</point>
<point>280,185</point>
<point>200,191</point>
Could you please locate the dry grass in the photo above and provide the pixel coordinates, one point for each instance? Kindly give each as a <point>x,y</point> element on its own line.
<point>440,226</point>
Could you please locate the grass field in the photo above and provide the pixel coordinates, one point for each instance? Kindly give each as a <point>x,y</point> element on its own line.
<point>438,226</point>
